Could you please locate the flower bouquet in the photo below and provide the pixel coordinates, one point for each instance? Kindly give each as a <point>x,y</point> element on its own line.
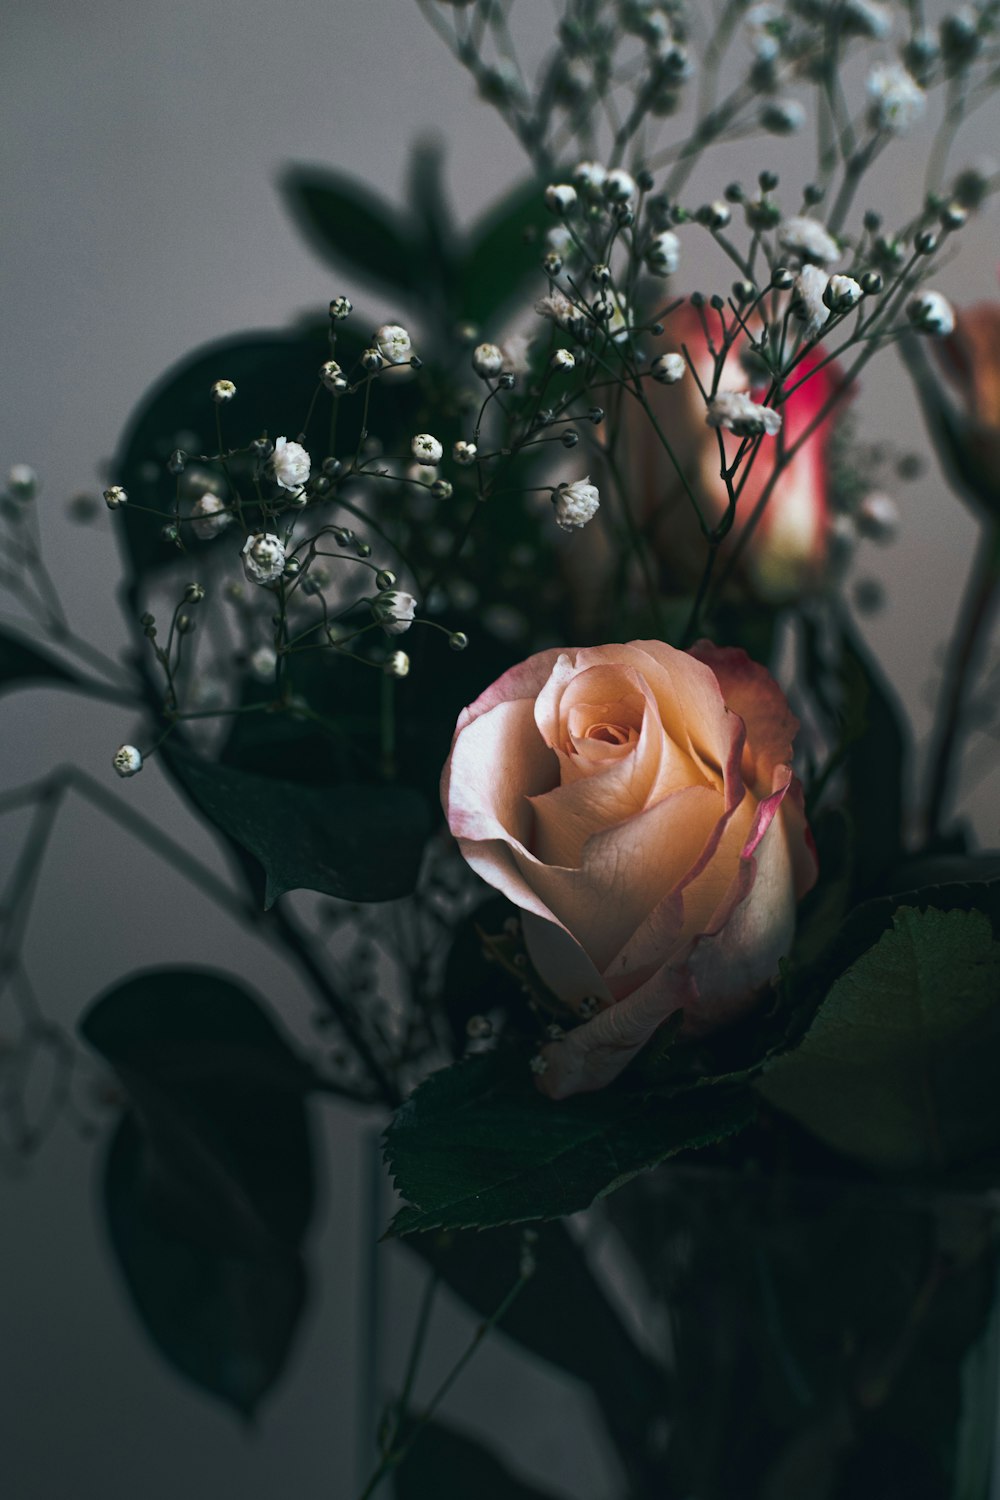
<point>505,633</point>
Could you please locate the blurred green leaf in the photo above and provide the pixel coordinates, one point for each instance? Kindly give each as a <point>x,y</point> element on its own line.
<point>360,843</point>
<point>505,247</point>
<point>899,1066</point>
<point>439,234</point>
<point>444,1462</point>
<point>22,662</point>
<point>876,764</point>
<point>348,224</point>
<point>209,1181</point>
<point>275,375</point>
<point>477,1145</point>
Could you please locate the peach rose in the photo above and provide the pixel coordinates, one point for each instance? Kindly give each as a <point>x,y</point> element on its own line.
<point>787,551</point>
<point>638,804</point>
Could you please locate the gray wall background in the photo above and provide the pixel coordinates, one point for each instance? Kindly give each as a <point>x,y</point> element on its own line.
<point>140,144</point>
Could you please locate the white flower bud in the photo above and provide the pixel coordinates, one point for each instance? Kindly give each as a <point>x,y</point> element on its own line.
<point>736,412</point>
<point>371,359</point>
<point>426,449</point>
<point>341,308</point>
<point>842,293</point>
<point>619,186</point>
<point>807,239</point>
<point>127,760</point>
<point>263,557</point>
<point>897,102</point>
<point>332,376</point>
<point>576,503</point>
<point>394,610</point>
<point>115,496</point>
<point>664,253</point>
<point>782,116</point>
<point>487,360</point>
<point>22,481</point>
<point>290,463</point>
<point>589,177</point>
<point>560,199</point>
<point>398,664</point>
<point>562,359</point>
<point>878,517</point>
<point>932,314</point>
<point>263,663</point>
<point>464,453</point>
<point>209,516</point>
<point>223,390</point>
<point>715,215</point>
<point>393,343</point>
<point>668,368</point>
<point>808,299</point>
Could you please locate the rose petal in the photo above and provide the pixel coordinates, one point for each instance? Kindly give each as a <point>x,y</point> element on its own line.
<point>750,691</point>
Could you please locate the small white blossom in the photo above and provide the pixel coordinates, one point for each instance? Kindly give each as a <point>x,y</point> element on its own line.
<point>394,610</point>
<point>716,215</point>
<point>664,253</point>
<point>516,354</point>
<point>589,177</point>
<point>209,516</point>
<point>487,360</point>
<point>464,453</point>
<point>897,101</point>
<point>619,186</point>
<point>393,342</point>
<point>341,308</point>
<point>127,760</point>
<point>842,293</point>
<point>562,359</point>
<point>263,557</point>
<point>558,309</point>
<point>426,449</point>
<point>668,368</point>
<point>263,663</point>
<point>932,314</point>
<point>576,503</point>
<point>290,463</point>
<point>223,390</point>
<point>398,664</point>
<point>807,239</point>
<point>115,496</point>
<point>332,376</point>
<point>736,412</point>
<point>808,302</point>
<point>878,517</point>
<point>22,481</point>
<point>560,198</point>
<point>762,22</point>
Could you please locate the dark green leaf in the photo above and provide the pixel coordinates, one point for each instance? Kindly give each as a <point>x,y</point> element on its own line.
<point>209,1181</point>
<point>444,1462</point>
<point>876,765</point>
<point>276,377</point>
<point>899,1066</point>
<point>360,843</point>
<point>505,247</point>
<point>477,1145</point>
<point>349,225</point>
<point>22,662</point>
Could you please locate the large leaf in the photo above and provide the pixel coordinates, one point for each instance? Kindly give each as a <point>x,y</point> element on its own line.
<point>505,247</point>
<point>22,662</point>
<point>444,1462</point>
<point>348,224</point>
<point>476,1145</point>
<point>899,1066</point>
<point>360,843</point>
<point>275,375</point>
<point>876,764</point>
<point>208,1184</point>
